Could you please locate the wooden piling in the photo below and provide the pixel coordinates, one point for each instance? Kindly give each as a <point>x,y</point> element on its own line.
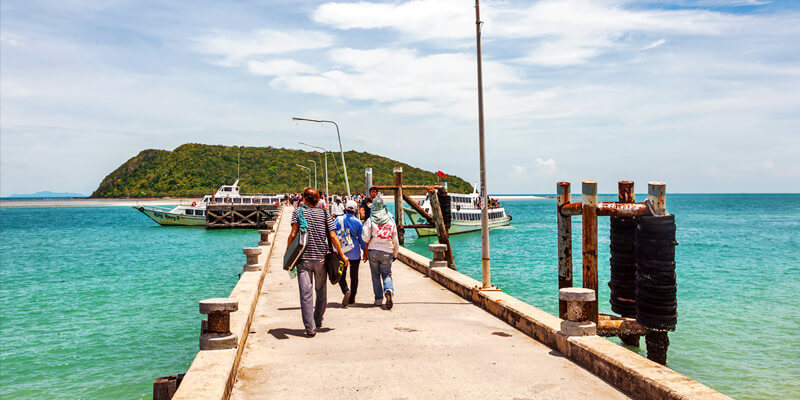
<point>398,204</point>
<point>441,229</point>
<point>626,196</point>
<point>589,216</point>
<point>564,245</point>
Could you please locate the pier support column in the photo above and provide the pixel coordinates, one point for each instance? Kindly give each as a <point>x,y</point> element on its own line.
<point>367,180</point>
<point>252,254</point>
<point>215,333</point>
<point>398,204</point>
<point>579,308</point>
<point>589,216</point>
<point>564,245</point>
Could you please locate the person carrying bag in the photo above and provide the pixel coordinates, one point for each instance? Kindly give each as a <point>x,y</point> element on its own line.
<point>311,268</point>
<point>380,236</point>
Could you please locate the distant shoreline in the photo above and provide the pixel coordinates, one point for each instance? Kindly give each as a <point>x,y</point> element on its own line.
<point>87,202</point>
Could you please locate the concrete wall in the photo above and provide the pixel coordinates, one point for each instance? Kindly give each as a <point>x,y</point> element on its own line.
<point>628,371</point>
<point>212,372</point>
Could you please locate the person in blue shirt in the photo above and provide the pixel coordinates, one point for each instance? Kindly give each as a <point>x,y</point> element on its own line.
<point>348,229</point>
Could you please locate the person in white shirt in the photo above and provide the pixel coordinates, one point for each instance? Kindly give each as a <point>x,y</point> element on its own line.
<point>337,208</point>
<point>380,235</point>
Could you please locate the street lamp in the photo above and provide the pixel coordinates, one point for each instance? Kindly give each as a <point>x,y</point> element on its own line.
<point>341,150</point>
<point>315,174</point>
<point>485,263</point>
<point>309,173</point>
<point>326,163</point>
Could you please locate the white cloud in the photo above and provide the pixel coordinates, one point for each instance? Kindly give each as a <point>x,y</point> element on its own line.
<point>235,47</point>
<point>546,167</point>
<point>518,171</point>
<point>280,67</point>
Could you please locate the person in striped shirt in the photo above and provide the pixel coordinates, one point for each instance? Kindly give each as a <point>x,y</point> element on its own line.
<point>311,268</point>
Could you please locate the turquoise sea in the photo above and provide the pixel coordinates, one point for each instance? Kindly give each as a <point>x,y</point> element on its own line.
<point>97,302</point>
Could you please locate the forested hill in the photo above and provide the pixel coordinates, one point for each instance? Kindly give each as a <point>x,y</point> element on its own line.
<point>193,170</point>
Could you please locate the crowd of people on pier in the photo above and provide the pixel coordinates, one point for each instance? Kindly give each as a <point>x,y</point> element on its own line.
<point>354,227</point>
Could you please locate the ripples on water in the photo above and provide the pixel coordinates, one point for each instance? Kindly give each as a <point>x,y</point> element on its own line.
<point>97,302</point>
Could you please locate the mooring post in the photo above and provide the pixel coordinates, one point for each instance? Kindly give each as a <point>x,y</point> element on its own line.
<point>627,195</point>
<point>398,204</point>
<point>368,180</point>
<point>264,237</point>
<point>439,256</point>
<point>564,245</point>
<point>164,388</point>
<point>252,254</point>
<point>589,217</point>
<point>215,332</point>
<point>577,321</point>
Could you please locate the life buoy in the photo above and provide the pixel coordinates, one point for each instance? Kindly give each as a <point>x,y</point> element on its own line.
<point>194,203</point>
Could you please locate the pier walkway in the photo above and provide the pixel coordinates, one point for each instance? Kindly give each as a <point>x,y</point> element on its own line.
<point>432,344</point>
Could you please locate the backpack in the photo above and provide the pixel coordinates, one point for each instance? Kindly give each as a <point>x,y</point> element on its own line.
<point>345,236</point>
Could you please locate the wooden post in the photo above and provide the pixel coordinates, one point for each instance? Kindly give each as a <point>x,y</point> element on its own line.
<point>564,245</point>
<point>657,195</point>
<point>589,216</point>
<point>398,204</point>
<point>441,230</point>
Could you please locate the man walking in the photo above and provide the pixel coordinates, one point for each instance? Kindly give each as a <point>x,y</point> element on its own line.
<point>349,228</point>
<point>364,211</point>
<point>311,266</point>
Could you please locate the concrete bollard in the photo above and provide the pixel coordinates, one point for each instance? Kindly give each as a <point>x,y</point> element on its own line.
<point>270,225</point>
<point>439,258</point>
<point>264,237</point>
<point>578,319</point>
<point>252,254</point>
<point>438,250</point>
<point>215,333</point>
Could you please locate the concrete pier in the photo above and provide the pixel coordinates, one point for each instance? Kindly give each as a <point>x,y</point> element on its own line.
<point>432,344</point>
<point>444,338</point>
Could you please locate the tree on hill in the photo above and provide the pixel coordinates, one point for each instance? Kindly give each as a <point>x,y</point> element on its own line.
<point>193,170</point>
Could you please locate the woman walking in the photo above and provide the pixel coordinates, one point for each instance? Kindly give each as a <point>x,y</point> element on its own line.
<point>311,266</point>
<point>348,228</point>
<point>380,236</point>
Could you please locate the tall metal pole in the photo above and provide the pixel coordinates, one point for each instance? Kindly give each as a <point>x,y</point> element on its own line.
<point>315,174</point>
<point>326,163</point>
<point>485,265</point>
<point>341,150</point>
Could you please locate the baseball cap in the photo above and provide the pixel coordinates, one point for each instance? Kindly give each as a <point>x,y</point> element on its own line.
<point>350,205</point>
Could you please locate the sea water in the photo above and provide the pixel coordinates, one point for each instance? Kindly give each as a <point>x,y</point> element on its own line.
<point>97,302</point>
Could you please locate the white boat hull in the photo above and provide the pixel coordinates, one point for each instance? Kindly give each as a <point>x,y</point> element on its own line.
<point>455,225</point>
<point>172,219</point>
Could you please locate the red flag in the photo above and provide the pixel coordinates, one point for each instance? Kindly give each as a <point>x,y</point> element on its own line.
<point>440,174</point>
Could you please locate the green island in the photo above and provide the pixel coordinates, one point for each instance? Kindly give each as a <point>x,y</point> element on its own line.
<point>193,170</point>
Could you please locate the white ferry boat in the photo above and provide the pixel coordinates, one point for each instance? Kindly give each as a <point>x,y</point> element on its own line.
<point>194,214</point>
<point>465,214</point>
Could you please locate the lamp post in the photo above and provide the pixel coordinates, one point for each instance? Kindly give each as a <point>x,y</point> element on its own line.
<point>341,150</point>
<point>326,163</point>
<point>309,173</point>
<point>485,265</point>
<point>315,174</point>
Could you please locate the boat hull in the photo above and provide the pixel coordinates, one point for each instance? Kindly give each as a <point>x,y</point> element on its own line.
<point>170,219</point>
<point>456,226</point>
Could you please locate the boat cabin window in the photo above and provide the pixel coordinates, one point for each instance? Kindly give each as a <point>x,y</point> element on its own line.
<point>246,200</point>
<point>266,200</point>
<point>189,211</point>
<point>226,189</point>
<point>199,212</point>
<point>218,199</point>
<point>237,200</point>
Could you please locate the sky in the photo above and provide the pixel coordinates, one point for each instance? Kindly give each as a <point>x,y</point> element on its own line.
<point>701,94</point>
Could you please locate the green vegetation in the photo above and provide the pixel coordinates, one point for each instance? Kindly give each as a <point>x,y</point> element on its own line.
<point>192,170</point>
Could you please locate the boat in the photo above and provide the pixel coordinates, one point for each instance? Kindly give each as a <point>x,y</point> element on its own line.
<point>465,212</point>
<point>194,214</point>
